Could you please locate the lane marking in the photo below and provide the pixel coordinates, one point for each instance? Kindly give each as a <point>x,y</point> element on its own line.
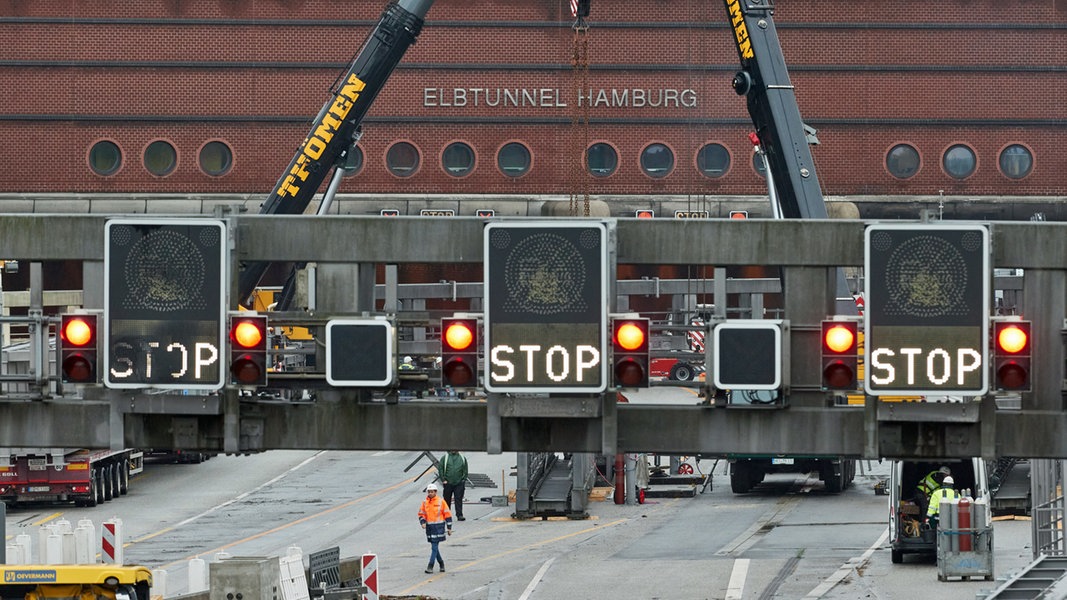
<point>382,453</point>
<point>327,511</point>
<point>852,565</point>
<point>735,590</point>
<point>226,503</point>
<point>479,561</point>
<point>44,520</point>
<point>536,579</point>
<point>37,523</point>
<point>759,527</point>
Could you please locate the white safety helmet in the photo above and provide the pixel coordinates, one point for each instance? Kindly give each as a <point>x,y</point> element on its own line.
<point>431,488</point>
<point>407,359</point>
<point>948,480</point>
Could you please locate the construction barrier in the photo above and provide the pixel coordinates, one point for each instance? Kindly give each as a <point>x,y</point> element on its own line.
<point>111,542</point>
<point>370,576</point>
<point>198,579</point>
<point>294,584</point>
<point>159,583</point>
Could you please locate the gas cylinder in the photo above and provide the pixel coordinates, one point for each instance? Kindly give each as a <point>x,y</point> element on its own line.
<point>965,524</point>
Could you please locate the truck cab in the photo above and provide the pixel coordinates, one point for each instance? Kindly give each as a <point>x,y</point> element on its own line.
<point>907,511</point>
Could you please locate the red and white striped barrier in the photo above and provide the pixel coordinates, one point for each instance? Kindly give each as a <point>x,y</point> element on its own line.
<point>111,542</point>
<point>370,576</point>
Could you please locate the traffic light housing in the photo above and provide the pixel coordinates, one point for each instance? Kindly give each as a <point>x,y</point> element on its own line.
<point>1011,355</point>
<point>248,350</point>
<point>840,355</point>
<point>78,349</point>
<point>629,352</point>
<point>738,214</point>
<point>459,352</point>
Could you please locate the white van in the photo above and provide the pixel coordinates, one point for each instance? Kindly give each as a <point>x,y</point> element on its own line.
<point>906,533</point>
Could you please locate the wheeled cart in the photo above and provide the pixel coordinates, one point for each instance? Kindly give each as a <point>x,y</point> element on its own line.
<point>954,562</point>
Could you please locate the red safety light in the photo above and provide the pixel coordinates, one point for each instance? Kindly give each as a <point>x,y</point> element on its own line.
<point>645,214</point>
<point>738,214</point>
<point>840,355</point>
<point>459,352</point>
<point>485,213</point>
<point>78,348</point>
<point>248,350</point>
<point>630,356</point>
<point>1011,355</point>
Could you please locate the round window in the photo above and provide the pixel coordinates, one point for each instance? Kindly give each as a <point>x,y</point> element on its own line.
<point>713,160</point>
<point>902,161</point>
<point>602,159</point>
<point>160,158</point>
<point>216,158</point>
<point>657,160</point>
<point>458,159</point>
<point>513,159</point>
<point>1016,161</point>
<point>353,161</point>
<point>960,161</point>
<point>105,158</point>
<point>402,159</point>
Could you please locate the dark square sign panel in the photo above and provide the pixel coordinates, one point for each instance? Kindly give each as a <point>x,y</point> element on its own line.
<point>546,307</point>
<point>164,303</point>
<point>748,355</point>
<point>359,352</point>
<point>927,309</point>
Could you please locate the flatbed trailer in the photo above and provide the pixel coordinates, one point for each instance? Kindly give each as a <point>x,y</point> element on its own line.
<point>85,477</point>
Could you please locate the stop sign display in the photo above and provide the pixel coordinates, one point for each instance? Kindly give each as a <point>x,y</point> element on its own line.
<point>164,303</point>
<point>546,307</point>
<point>927,309</point>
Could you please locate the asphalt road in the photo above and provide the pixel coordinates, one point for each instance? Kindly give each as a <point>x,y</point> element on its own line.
<point>786,539</point>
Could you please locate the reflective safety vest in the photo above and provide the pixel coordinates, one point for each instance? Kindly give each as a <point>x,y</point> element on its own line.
<point>929,483</point>
<point>936,498</point>
<point>435,510</point>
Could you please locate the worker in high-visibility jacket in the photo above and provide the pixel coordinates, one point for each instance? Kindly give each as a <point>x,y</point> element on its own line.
<point>945,492</point>
<point>436,519</point>
<point>933,480</point>
<point>927,485</point>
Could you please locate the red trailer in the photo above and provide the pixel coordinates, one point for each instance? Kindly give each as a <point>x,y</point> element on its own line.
<point>85,477</point>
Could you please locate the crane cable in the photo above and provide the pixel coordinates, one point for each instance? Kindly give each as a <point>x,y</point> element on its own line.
<point>580,119</point>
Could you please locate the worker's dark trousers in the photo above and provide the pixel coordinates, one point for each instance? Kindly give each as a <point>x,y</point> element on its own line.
<point>455,490</point>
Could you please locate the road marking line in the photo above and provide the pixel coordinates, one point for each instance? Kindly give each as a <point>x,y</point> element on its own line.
<point>47,519</point>
<point>536,579</point>
<point>735,590</point>
<point>382,453</point>
<point>850,566</point>
<point>269,531</point>
<point>587,530</point>
<point>758,529</point>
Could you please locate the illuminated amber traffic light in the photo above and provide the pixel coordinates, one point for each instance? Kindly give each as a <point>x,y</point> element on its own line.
<point>840,355</point>
<point>459,352</point>
<point>78,348</point>
<point>738,214</point>
<point>630,345</point>
<point>248,350</point>
<point>1011,355</point>
<point>645,214</point>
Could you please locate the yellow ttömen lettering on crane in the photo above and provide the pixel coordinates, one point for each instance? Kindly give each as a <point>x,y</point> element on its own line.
<point>315,144</point>
<point>744,43</point>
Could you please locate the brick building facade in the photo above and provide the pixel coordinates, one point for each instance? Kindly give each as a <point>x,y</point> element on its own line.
<point>214,96</point>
